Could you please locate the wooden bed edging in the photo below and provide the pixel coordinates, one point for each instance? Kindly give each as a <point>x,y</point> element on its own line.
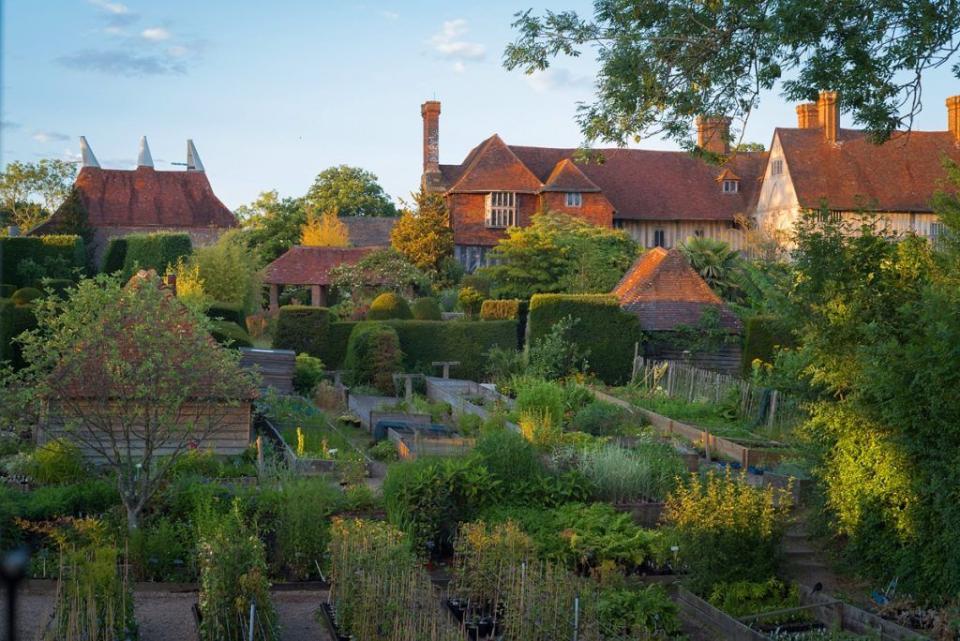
<point>726,627</point>
<point>853,619</point>
<point>452,391</point>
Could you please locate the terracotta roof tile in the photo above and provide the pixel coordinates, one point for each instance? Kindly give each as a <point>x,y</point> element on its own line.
<point>900,175</point>
<point>494,166</point>
<point>145,197</point>
<point>369,231</point>
<point>664,291</point>
<point>302,265</point>
<point>566,176</point>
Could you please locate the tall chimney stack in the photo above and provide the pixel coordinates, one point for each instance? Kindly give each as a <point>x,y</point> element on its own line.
<point>432,178</point>
<point>713,134</point>
<point>808,116</point>
<point>953,117</point>
<point>829,115</point>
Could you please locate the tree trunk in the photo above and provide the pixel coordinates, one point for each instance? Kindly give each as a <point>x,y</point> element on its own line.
<point>133,518</point>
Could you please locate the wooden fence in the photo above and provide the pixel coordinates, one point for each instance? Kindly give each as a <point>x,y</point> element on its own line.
<point>774,414</point>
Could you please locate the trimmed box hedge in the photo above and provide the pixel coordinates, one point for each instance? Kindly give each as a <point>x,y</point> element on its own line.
<point>761,334</point>
<point>147,251</point>
<point>509,309</point>
<point>232,312</point>
<point>608,332</point>
<point>14,320</point>
<point>114,255</point>
<point>303,329</point>
<point>225,332</point>
<point>58,255</point>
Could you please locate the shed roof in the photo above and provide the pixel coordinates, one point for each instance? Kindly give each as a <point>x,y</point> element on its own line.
<point>303,265</point>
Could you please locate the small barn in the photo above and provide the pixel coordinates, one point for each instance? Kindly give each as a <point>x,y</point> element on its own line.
<point>684,319</point>
<point>305,266</point>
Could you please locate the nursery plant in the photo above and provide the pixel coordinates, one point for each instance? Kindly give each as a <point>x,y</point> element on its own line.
<point>646,472</point>
<point>483,556</point>
<point>745,598</point>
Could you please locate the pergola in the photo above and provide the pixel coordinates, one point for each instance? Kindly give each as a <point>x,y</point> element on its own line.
<point>304,266</point>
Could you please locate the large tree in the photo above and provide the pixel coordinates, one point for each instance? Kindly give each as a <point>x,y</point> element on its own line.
<point>351,191</point>
<point>663,62</point>
<point>31,192</point>
<point>423,233</point>
<point>271,225</point>
<point>136,376</point>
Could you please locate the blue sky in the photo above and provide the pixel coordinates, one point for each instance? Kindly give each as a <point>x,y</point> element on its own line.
<point>274,92</point>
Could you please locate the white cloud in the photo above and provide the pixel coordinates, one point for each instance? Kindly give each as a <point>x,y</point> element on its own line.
<point>449,44</point>
<point>49,136</point>
<point>390,15</point>
<point>155,33</point>
<point>551,79</point>
<point>459,67</point>
<point>116,8</point>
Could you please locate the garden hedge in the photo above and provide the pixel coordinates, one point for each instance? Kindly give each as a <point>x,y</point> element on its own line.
<point>426,309</point>
<point>232,312</point>
<point>114,255</point>
<point>509,309</point>
<point>388,306</point>
<point>608,332</point>
<point>58,256</point>
<point>226,332</point>
<point>373,355</point>
<point>303,329</point>
<point>7,289</point>
<point>26,295</point>
<point>154,251</point>
<point>14,320</point>
<point>761,335</point>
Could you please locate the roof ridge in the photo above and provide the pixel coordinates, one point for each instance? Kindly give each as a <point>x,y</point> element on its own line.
<point>485,146</point>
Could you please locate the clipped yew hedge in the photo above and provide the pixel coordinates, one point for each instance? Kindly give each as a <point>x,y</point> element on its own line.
<point>608,332</point>
<point>58,255</point>
<point>146,251</point>
<point>14,320</point>
<point>232,312</point>
<point>508,309</point>
<point>761,335</point>
<point>388,306</point>
<point>426,309</point>
<point>303,329</point>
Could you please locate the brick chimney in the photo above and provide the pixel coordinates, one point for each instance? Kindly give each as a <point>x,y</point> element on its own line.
<point>828,113</point>
<point>432,179</point>
<point>808,116</point>
<point>953,117</point>
<point>713,134</point>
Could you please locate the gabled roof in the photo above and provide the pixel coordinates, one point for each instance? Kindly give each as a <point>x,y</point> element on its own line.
<point>302,265</point>
<point>899,175</point>
<point>566,176</point>
<point>369,231</point>
<point>664,291</point>
<point>144,197</point>
<point>494,166</point>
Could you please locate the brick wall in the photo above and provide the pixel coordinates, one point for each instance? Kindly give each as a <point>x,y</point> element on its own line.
<point>595,207</point>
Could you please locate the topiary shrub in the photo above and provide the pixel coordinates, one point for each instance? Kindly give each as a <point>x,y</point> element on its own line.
<point>114,255</point>
<point>26,259</point>
<point>470,301</point>
<point>374,356</point>
<point>26,295</point>
<point>230,334</point>
<point>426,309</point>
<point>761,336</point>
<point>604,330</point>
<point>307,373</point>
<point>389,306</point>
<point>14,320</point>
<point>232,312</point>
<point>304,330</point>
<point>155,251</point>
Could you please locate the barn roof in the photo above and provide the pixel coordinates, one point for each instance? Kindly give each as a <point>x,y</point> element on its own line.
<point>303,265</point>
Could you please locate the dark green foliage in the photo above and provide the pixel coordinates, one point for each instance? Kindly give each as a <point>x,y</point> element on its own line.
<point>762,334</point>
<point>60,286</point>
<point>649,609</point>
<point>155,251</point>
<point>14,320</point>
<point>231,312</point>
<point>227,333</point>
<point>426,309</point>
<point>6,290</point>
<point>307,373</point>
<point>26,259</point>
<point>26,295</point>
<point>303,329</point>
<point>163,549</point>
<point>373,355</point>
<point>47,503</point>
<point>389,306</point>
<point>72,218</point>
<point>57,462</point>
<point>115,255</point>
<point>604,329</point>
<point>334,350</point>
<point>477,282</point>
<point>600,419</point>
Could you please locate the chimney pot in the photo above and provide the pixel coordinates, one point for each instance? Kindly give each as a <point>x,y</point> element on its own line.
<point>808,116</point>
<point>144,158</point>
<point>953,117</point>
<point>713,134</point>
<point>430,111</point>
<point>828,109</point>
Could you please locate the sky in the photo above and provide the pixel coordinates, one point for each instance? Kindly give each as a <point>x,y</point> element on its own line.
<point>274,92</point>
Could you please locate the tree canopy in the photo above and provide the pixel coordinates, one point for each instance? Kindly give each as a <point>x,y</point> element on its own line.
<point>423,234</point>
<point>31,192</point>
<point>351,191</point>
<point>663,62</point>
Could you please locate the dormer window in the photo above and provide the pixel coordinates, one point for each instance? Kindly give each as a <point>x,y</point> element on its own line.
<point>574,199</point>
<point>501,209</point>
<point>731,186</point>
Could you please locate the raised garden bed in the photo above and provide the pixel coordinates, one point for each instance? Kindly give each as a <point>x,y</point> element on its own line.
<point>460,395</point>
<point>412,443</point>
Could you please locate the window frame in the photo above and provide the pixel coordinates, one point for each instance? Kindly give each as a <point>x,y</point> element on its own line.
<point>660,238</point>
<point>734,186</point>
<point>776,167</point>
<point>500,209</point>
<point>574,195</point>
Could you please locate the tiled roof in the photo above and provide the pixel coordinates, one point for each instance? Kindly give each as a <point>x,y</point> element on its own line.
<point>900,175</point>
<point>302,265</point>
<point>567,177</point>
<point>664,291</point>
<point>144,197</point>
<point>369,231</point>
<point>640,184</point>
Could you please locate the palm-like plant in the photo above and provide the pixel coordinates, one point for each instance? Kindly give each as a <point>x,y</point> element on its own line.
<point>714,260</point>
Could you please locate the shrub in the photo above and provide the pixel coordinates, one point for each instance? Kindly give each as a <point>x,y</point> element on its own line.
<point>14,320</point>
<point>26,295</point>
<point>640,613</point>
<point>27,259</point>
<point>426,309</point>
<point>307,373</point>
<point>6,290</point>
<point>501,309</point>
<point>302,527</point>
<point>727,530</point>
<point>373,355</point>
<point>600,419</point>
<point>761,335</point>
<point>619,475</point>
<point>384,451</point>
<point>389,306</point>
<point>484,556</point>
<point>470,301</point>
<point>56,463</point>
<point>743,598</point>
<point>428,498</point>
<point>476,281</point>
<point>608,332</point>
<point>304,330</point>
<point>162,549</point>
<point>114,255</point>
<point>157,251</point>
<point>540,396</point>
<point>555,355</point>
<point>59,286</point>
<point>232,312</point>
<point>230,334</point>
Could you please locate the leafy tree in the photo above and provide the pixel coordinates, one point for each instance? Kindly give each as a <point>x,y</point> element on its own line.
<point>714,260</point>
<point>424,234</point>
<point>326,230</point>
<point>380,270</point>
<point>351,191</point>
<point>227,271</point>
<point>271,225</point>
<point>558,253</point>
<point>135,374</point>
<point>30,192</point>
<point>662,62</point>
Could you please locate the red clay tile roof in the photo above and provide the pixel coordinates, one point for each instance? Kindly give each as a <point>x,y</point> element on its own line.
<point>145,197</point>
<point>566,176</point>
<point>900,175</point>
<point>664,291</point>
<point>369,231</point>
<point>302,265</point>
<point>640,184</point>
